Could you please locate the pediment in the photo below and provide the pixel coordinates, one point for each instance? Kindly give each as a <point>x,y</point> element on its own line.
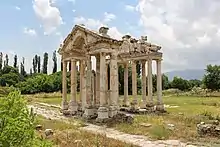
<point>78,39</point>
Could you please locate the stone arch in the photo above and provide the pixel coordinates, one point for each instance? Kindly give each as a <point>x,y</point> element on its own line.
<point>79,40</point>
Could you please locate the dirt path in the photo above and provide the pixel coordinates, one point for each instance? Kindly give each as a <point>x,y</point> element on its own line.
<point>48,112</point>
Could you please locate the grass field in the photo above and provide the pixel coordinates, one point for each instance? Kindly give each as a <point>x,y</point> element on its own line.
<point>186,113</point>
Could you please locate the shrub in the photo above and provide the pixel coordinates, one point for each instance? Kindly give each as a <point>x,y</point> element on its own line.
<point>16,121</point>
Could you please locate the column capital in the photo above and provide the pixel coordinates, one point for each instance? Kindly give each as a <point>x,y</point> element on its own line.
<point>159,60</point>
<point>73,60</point>
<point>143,61</point>
<point>102,54</point>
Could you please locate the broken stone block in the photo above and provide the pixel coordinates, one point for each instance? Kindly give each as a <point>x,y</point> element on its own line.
<point>39,127</point>
<point>48,132</point>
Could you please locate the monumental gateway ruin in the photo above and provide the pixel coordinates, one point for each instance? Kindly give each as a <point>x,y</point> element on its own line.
<point>99,92</point>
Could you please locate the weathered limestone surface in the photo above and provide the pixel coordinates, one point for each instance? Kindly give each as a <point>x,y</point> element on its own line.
<point>126,103</point>
<point>113,85</point>
<point>144,100</point>
<point>134,82</point>
<point>150,82</point>
<point>97,80</point>
<point>99,93</point>
<point>73,106</point>
<point>64,87</point>
<point>160,105</point>
<point>103,109</point>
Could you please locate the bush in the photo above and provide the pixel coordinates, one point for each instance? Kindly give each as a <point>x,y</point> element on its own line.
<point>16,122</point>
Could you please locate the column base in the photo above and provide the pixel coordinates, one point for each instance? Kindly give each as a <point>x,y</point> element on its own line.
<point>73,107</point>
<point>103,114</point>
<point>90,112</point>
<point>125,104</point>
<point>113,110</point>
<point>64,105</point>
<point>143,104</point>
<point>160,107</point>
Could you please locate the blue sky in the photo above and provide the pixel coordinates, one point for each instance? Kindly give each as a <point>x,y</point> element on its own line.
<point>187,30</point>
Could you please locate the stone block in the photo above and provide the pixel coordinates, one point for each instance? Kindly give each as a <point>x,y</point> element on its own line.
<point>103,113</point>
<point>112,111</point>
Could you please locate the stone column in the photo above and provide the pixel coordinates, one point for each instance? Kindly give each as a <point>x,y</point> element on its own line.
<point>113,85</point>
<point>143,103</point>
<point>82,84</point>
<point>103,110</point>
<point>89,110</point>
<point>73,106</point>
<point>150,82</point>
<point>126,102</point>
<point>107,83</point>
<point>97,80</point>
<point>160,105</point>
<point>64,87</point>
<point>134,83</point>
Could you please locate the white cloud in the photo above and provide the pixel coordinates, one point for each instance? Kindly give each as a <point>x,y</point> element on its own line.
<point>186,30</point>
<point>48,15</point>
<point>96,24</point>
<point>74,10</point>
<point>30,32</point>
<point>130,8</point>
<point>17,8</point>
<point>109,17</point>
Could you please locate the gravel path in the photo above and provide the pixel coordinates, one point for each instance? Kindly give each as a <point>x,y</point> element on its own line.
<point>139,140</point>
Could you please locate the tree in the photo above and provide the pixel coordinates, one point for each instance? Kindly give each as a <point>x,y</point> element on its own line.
<point>45,63</point>
<point>38,64</point>
<point>17,121</point>
<point>1,60</point>
<point>10,76</point>
<point>180,84</point>
<point>15,61</point>
<point>54,62</point>
<point>211,79</point>
<point>34,65</point>
<point>195,83</point>
<point>6,60</point>
<point>22,68</point>
<point>31,71</point>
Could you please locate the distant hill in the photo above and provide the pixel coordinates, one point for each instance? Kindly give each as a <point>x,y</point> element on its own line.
<point>187,74</point>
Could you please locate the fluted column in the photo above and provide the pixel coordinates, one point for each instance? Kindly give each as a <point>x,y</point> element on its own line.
<point>73,80</point>
<point>64,86</point>
<point>126,84</point>
<point>83,84</point>
<point>88,82</point>
<point>143,84</point>
<point>150,82</point>
<point>73,106</point>
<point>134,82</point>
<point>97,80</point>
<point>113,85</point>
<point>103,109</point>
<point>159,86</point>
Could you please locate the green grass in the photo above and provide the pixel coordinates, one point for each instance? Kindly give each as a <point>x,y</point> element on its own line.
<point>190,111</point>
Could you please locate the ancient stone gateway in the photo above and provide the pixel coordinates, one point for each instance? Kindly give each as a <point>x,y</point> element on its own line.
<point>96,97</point>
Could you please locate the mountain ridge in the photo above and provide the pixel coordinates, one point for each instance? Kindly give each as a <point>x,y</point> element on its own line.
<point>187,74</point>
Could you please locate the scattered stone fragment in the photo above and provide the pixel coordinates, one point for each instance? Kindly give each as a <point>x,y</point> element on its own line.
<point>171,126</point>
<point>146,125</point>
<point>39,127</point>
<point>48,132</point>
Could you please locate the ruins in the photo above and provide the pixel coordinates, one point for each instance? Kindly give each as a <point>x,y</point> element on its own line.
<point>96,96</point>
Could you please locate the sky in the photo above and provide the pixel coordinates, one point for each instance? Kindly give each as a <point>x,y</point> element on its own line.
<point>187,30</point>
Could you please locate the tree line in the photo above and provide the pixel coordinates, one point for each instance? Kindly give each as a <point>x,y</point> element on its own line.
<point>38,79</point>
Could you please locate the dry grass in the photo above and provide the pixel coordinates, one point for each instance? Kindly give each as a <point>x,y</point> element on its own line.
<point>68,135</point>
